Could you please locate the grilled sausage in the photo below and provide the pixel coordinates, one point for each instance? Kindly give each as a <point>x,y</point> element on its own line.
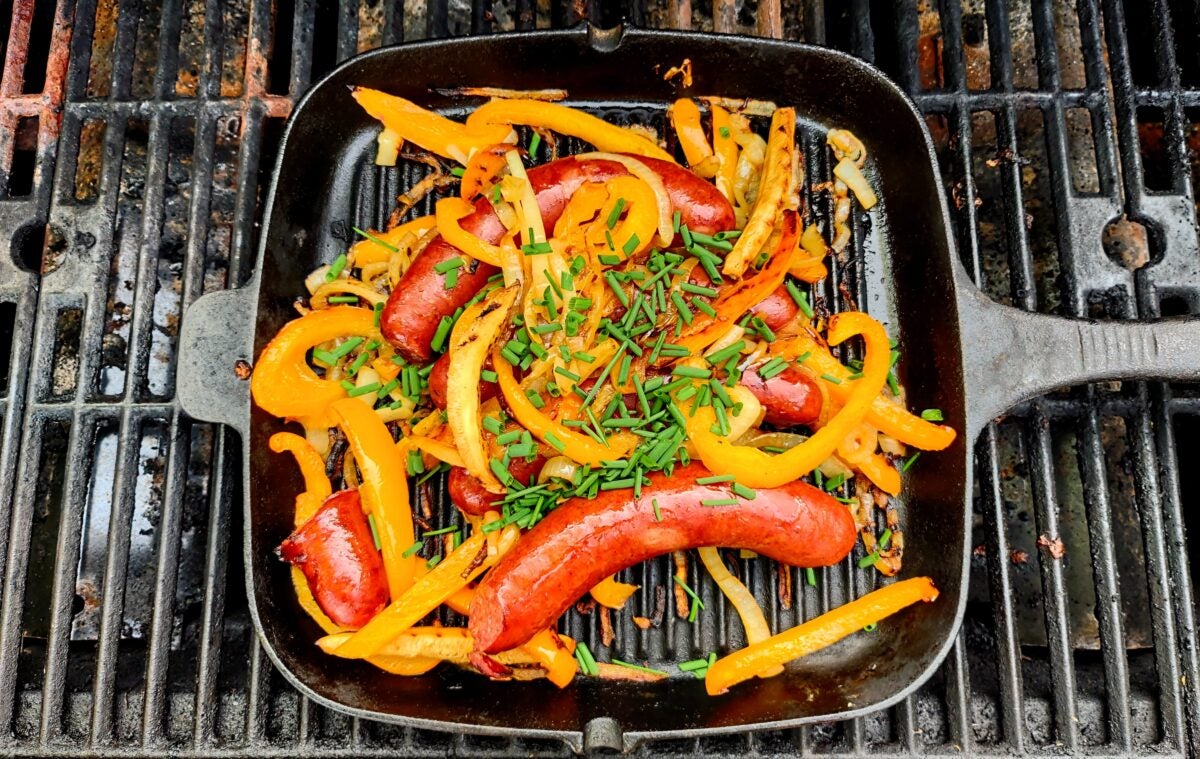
<point>777,309</point>
<point>420,299</point>
<point>585,540</point>
<point>789,398</point>
<point>337,554</point>
<point>437,382</point>
<point>469,494</point>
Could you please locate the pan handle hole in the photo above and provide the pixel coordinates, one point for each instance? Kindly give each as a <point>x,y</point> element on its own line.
<point>1131,243</point>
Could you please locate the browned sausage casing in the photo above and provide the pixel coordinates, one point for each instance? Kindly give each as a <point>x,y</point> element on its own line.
<point>469,494</point>
<point>789,398</point>
<point>420,299</point>
<point>437,382</point>
<point>337,554</point>
<point>585,540</point>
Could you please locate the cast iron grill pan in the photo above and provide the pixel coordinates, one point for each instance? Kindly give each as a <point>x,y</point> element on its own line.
<point>964,355</point>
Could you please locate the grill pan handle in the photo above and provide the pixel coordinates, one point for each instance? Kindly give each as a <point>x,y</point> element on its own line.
<point>1014,355</point>
<point>215,349</point>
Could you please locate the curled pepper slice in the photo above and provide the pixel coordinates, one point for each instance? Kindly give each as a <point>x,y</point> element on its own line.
<point>379,246</point>
<point>564,120</point>
<point>284,385</point>
<point>816,634</point>
<point>450,211</point>
<point>633,233</point>
<point>777,173</point>
<point>726,150</point>
<point>571,444</point>
<point>483,170</point>
<point>384,488</point>
<point>755,468</point>
<point>427,129</point>
<point>685,117</point>
<point>612,593</point>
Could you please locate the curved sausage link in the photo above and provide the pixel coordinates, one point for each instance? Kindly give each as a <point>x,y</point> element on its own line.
<point>337,554</point>
<point>469,494</point>
<point>789,398</point>
<point>585,540</point>
<point>420,299</point>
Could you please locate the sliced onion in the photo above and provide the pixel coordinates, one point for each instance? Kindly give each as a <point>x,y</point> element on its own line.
<point>389,142</point>
<point>558,466</point>
<point>753,619</point>
<point>729,338</point>
<point>847,171</point>
<point>666,231</point>
<point>830,467</point>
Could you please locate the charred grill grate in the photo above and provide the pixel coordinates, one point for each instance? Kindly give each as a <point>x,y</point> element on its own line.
<point>135,143</point>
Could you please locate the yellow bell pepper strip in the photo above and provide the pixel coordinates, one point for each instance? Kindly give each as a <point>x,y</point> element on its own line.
<point>757,469</point>
<point>312,468</point>
<point>436,448</point>
<point>573,445</point>
<point>753,619</point>
<point>455,572</point>
<point>564,120</point>
<point>726,150</point>
<point>556,654</point>
<point>882,474</point>
<point>816,634</point>
<point>435,133</point>
<point>450,211</point>
<point>612,593</point>
<point>858,450</point>
<point>470,341</point>
<point>773,190</point>
<point>889,417</point>
<point>407,667</point>
<point>375,248</point>
<point>284,385</point>
<point>316,490</point>
<point>733,302</point>
<point>685,117</point>
<point>384,488</point>
<point>483,170</point>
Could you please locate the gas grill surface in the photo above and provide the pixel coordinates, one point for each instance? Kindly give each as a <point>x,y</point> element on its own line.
<point>136,140</point>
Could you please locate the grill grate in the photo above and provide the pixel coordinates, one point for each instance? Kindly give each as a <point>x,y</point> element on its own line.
<point>132,165</point>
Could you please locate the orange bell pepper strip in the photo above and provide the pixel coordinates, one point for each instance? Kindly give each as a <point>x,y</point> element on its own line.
<point>633,233</point>
<point>758,469</point>
<point>406,666</point>
<point>483,170</point>
<point>556,654</point>
<point>571,444</point>
<point>611,593</point>
<point>440,450</point>
<point>816,634</point>
<point>380,246</point>
<point>450,211</point>
<point>284,385</point>
<point>726,150</point>
<point>427,129</point>
<point>685,117</point>
<point>888,416</point>
<point>384,488</point>
<point>565,120</point>
<point>773,191</point>
<point>455,572</point>
<point>316,490</point>
<point>733,302</point>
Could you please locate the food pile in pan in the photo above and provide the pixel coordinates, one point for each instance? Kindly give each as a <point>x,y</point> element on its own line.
<point>614,356</point>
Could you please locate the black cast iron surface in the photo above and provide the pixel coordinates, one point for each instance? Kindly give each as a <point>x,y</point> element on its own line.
<point>123,628</point>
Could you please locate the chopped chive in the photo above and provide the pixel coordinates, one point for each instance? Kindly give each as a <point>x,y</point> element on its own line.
<point>495,194</point>
<point>623,372</point>
<point>608,259</point>
<point>567,373</point>
<point>893,383</point>
<point>537,249</point>
<point>687,236</point>
<point>767,333</point>
<point>708,292</point>
<point>448,264</point>
<point>535,399</point>
<point>688,590</point>
<point>615,215</point>
<point>869,560</point>
<point>335,268</point>
<point>908,462</point>
<point>376,240</point>
<point>870,627</point>
<point>724,132</point>
<point>800,297</point>
<point>771,368</point>
<point>411,550</point>
<point>657,513</point>
<point>639,668</point>
<point>693,665</point>
<point>501,473</point>
<point>492,425</point>
<point>433,561</point>
<point>608,239</point>
<point>713,479</point>
<point>443,332</point>
<point>378,309</point>
<point>588,661</point>
<point>705,307</point>
<point>387,389</point>
<point>835,482</point>
<point>719,502</point>
<point>830,378</point>
<point>743,491</point>
<point>511,436</point>
<point>534,143</point>
<point>615,286</point>
<point>554,440</point>
<point>442,531</point>
<point>487,375</point>
<point>810,577</point>
<point>548,327</point>
<point>371,388</point>
<point>631,244</point>
<point>374,532</point>
<point>885,538</point>
<point>691,371</point>
<point>675,222</point>
<point>933,415</point>
<point>343,299</point>
<point>695,612</point>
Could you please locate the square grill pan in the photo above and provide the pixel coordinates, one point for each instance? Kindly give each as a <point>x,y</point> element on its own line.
<point>965,355</point>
